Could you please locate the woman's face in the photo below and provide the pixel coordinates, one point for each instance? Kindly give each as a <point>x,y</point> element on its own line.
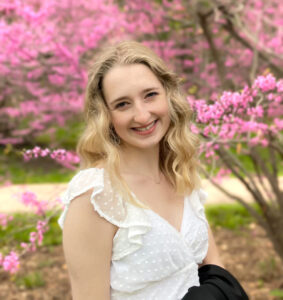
<point>138,105</point>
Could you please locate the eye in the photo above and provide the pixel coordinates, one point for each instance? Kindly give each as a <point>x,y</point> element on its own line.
<point>151,94</point>
<point>120,105</point>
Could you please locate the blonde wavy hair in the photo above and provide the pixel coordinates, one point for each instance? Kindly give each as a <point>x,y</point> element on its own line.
<point>178,159</point>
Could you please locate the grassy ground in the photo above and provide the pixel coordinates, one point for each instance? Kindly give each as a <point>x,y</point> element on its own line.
<point>41,170</point>
<point>245,250</point>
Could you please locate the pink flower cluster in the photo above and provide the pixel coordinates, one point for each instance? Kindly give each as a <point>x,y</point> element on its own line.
<point>222,173</point>
<point>30,199</point>
<point>36,238</point>
<point>240,115</point>
<point>10,262</point>
<point>265,83</point>
<point>35,152</point>
<point>62,156</point>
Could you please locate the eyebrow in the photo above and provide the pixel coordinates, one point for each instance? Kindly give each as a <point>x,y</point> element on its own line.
<point>142,92</point>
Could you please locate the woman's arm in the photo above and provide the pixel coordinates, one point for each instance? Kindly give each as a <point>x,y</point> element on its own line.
<point>212,256</point>
<point>87,243</point>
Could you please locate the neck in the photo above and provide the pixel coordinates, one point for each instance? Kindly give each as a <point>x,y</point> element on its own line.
<point>141,161</point>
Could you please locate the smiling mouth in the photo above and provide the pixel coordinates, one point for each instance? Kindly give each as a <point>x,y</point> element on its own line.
<point>146,127</point>
<point>142,127</point>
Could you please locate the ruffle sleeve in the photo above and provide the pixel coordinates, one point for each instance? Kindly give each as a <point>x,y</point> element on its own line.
<point>198,199</point>
<point>132,221</point>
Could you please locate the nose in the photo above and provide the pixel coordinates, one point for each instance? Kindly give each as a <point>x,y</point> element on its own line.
<point>141,114</point>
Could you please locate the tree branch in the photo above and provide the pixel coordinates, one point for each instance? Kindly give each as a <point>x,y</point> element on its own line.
<point>259,176</point>
<point>228,161</point>
<point>229,27</point>
<point>214,52</point>
<point>250,209</point>
<point>273,181</point>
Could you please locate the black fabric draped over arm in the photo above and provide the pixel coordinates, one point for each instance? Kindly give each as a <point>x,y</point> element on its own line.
<point>216,283</point>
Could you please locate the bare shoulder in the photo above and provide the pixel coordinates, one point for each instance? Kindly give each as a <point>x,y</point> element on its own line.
<point>82,218</point>
<point>81,213</point>
<point>87,255</point>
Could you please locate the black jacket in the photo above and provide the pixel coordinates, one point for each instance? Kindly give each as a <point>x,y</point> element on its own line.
<point>216,283</point>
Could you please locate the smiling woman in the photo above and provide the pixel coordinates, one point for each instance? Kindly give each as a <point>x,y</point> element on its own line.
<point>140,111</point>
<point>134,225</point>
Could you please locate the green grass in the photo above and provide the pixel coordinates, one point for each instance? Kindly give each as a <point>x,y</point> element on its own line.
<point>64,136</point>
<point>41,170</point>
<point>31,280</point>
<point>22,174</point>
<point>277,293</point>
<point>19,228</point>
<point>46,263</point>
<point>231,216</point>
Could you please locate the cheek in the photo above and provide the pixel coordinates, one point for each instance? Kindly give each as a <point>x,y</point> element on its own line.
<point>163,108</point>
<point>117,121</point>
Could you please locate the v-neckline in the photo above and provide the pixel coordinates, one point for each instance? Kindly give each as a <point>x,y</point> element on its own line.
<point>179,232</point>
<point>163,219</point>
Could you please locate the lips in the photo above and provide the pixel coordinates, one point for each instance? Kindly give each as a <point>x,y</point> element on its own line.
<point>144,125</point>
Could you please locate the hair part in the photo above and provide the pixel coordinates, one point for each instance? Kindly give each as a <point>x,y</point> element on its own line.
<point>98,143</point>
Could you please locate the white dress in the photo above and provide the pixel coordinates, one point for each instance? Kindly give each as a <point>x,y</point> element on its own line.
<point>151,260</point>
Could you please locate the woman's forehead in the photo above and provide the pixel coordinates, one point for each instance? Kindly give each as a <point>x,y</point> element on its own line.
<point>129,79</point>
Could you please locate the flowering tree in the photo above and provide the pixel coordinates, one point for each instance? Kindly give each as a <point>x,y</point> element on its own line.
<point>215,45</point>
<point>240,123</point>
<point>45,46</point>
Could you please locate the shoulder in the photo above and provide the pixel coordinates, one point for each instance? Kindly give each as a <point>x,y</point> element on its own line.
<point>82,217</point>
<point>91,189</point>
<point>81,200</point>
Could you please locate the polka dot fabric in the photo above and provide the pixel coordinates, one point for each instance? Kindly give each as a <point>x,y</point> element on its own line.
<point>151,260</point>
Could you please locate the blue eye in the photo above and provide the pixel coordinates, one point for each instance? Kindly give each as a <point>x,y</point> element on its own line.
<point>120,105</point>
<point>123,104</point>
<point>151,94</point>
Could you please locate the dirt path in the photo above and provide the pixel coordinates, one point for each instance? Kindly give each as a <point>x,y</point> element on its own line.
<point>49,192</point>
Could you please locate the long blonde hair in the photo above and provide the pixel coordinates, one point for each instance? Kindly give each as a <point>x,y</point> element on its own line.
<point>98,143</point>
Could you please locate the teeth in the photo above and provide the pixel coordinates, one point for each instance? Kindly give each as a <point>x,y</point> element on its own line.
<point>146,128</point>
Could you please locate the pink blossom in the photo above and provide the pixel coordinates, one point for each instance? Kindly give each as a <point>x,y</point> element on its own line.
<point>56,79</point>
<point>30,199</point>
<point>11,262</point>
<point>222,173</point>
<point>279,86</point>
<point>265,83</point>
<point>194,129</point>
<point>278,123</point>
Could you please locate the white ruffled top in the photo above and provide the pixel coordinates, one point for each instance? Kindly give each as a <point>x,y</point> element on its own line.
<point>151,260</point>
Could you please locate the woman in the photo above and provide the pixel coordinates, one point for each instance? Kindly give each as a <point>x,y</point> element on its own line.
<point>134,222</point>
